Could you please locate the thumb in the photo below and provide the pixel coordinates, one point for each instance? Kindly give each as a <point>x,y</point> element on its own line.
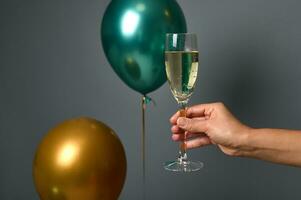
<point>193,125</point>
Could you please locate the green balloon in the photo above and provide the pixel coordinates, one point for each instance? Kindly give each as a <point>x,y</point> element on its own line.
<point>133,38</point>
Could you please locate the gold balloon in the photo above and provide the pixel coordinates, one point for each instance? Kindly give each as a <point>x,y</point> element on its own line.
<point>80,159</point>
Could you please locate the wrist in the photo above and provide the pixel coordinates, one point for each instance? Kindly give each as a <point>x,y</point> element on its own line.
<point>243,146</point>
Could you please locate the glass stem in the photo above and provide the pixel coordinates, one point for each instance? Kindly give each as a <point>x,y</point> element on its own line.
<point>182,147</point>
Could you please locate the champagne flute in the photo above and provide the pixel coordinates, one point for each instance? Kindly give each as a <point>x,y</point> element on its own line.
<point>181,62</point>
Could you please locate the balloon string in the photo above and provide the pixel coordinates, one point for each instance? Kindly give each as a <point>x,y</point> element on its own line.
<point>145,100</point>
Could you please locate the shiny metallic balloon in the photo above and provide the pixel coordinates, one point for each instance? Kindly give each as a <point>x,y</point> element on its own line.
<point>133,37</point>
<point>80,159</point>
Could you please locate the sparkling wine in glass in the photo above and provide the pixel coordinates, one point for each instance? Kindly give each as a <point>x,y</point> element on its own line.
<point>181,62</point>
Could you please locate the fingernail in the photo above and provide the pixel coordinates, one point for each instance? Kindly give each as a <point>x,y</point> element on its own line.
<point>173,137</point>
<point>181,122</point>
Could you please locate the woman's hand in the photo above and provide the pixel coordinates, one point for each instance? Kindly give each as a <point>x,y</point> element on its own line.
<point>207,124</point>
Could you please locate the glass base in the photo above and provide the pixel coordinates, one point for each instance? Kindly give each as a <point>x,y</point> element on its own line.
<point>183,166</point>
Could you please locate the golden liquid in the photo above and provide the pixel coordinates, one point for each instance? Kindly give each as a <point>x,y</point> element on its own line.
<point>181,70</point>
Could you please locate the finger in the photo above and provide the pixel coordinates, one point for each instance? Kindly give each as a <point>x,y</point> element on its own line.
<point>195,111</point>
<point>193,125</point>
<point>180,137</point>
<point>176,130</point>
<point>200,110</point>
<point>173,119</point>
<point>198,142</point>
<point>189,135</point>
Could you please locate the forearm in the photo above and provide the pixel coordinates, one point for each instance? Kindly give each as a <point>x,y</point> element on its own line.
<point>275,145</point>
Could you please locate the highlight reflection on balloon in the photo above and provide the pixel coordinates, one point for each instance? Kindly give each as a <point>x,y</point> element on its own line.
<point>129,23</point>
<point>80,159</point>
<point>134,30</point>
<point>67,155</point>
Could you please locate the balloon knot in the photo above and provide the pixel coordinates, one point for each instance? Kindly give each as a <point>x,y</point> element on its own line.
<point>147,100</point>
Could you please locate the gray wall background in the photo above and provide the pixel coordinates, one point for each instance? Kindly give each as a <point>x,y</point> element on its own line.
<point>52,67</point>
